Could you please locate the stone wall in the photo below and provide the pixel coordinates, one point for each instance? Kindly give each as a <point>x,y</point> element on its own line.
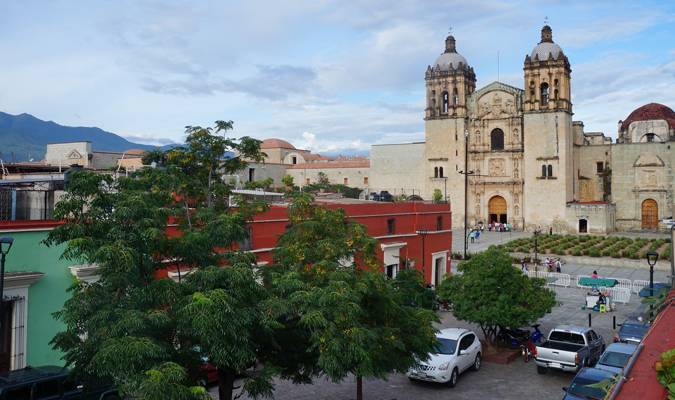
<point>262,171</point>
<point>642,171</point>
<point>398,168</point>
<point>65,154</point>
<point>599,217</point>
<point>354,175</point>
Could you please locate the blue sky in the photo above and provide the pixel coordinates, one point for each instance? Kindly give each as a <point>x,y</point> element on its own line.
<point>333,76</point>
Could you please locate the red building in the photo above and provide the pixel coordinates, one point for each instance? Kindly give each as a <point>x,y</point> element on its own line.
<point>398,227</point>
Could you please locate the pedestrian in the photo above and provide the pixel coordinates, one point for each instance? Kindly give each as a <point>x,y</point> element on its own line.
<point>477,236</point>
<point>558,266</point>
<point>482,229</point>
<point>524,266</point>
<point>595,287</point>
<point>508,227</point>
<point>550,231</point>
<point>471,235</point>
<point>490,227</point>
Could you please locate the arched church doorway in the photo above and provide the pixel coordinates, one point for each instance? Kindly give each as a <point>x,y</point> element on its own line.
<point>583,226</point>
<point>497,209</point>
<point>650,214</point>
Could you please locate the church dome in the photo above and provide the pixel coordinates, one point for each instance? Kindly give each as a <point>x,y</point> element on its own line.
<point>450,57</point>
<point>650,112</point>
<point>546,46</point>
<point>276,144</point>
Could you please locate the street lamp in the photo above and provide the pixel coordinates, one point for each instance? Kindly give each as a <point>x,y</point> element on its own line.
<point>652,256</point>
<point>423,233</point>
<point>536,234</point>
<point>5,245</point>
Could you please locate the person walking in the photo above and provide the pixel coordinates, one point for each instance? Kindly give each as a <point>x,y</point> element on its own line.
<point>524,266</point>
<point>477,236</point>
<point>471,236</point>
<point>550,231</point>
<point>558,266</point>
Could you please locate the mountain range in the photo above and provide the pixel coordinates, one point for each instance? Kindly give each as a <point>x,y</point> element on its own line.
<point>21,134</point>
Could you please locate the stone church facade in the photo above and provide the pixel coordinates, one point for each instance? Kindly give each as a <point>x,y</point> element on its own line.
<point>529,164</point>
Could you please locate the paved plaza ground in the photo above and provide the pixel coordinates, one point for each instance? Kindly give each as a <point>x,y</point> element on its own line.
<point>516,380</point>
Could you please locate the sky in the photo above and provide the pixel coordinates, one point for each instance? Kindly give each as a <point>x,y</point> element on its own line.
<point>331,76</point>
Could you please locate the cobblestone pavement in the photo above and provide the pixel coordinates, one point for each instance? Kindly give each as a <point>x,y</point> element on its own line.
<point>516,380</point>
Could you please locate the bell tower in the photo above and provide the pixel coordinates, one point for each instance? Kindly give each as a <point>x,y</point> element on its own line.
<point>547,76</point>
<point>549,164</point>
<point>449,81</point>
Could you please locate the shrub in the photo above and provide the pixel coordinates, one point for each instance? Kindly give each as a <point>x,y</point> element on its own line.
<point>560,251</point>
<point>616,255</point>
<point>667,240</point>
<point>594,252</point>
<point>606,253</point>
<point>634,255</point>
<point>576,252</point>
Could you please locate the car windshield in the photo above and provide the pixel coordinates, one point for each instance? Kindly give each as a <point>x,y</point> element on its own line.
<point>634,329</point>
<point>579,388</point>
<point>613,359</point>
<point>445,346</point>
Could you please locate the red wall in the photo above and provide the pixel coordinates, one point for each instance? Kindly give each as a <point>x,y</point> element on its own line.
<point>409,218</point>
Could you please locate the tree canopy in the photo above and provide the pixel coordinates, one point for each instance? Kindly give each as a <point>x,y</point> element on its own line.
<point>150,337</point>
<point>491,292</point>
<point>326,270</point>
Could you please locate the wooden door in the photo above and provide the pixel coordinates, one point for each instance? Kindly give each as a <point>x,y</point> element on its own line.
<point>650,214</point>
<point>497,209</point>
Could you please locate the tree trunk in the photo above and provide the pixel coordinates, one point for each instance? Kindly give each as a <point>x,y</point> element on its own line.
<point>225,383</point>
<point>359,388</point>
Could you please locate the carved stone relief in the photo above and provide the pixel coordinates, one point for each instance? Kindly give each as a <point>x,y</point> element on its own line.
<point>515,209</point>
<point>497,167</point>
<point>649,172</point>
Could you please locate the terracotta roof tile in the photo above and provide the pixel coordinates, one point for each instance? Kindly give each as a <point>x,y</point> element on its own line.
<point>651,111</point>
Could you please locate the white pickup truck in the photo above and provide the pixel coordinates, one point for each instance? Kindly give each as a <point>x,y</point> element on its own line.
<point>569,348</point>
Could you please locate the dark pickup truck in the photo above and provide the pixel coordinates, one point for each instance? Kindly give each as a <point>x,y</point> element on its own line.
<point>569,348</point>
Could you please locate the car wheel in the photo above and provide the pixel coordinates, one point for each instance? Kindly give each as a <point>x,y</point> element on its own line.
<point>453,378</point>
<point>542,370</point>
<point>477,362</point>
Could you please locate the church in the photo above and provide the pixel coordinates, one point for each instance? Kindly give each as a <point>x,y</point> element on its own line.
<point>511,155</point>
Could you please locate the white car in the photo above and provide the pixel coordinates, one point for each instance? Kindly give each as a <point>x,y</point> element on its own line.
<point>458,351</point>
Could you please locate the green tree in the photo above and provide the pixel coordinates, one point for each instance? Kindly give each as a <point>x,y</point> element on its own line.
<point>149,337</point>
<point>327,272</point>
<point>287,180</point>
<point>438,196</point>
<point>491,292</point>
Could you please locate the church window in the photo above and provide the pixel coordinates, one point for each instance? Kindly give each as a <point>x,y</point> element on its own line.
<point>650,137</point>
<point>550,171</point>
<point>308,181</point>
<point>440,172</point>
<point>456,153</point>
<point>365,180</point>
<point>497,140</point>
<point>543,171</point>
<point>295,160</point>
<point>455,137</point>
<point>445,102</point>
<point>599,167</point>
<point>456,167</point>
<point>346,181</point>
<point>544,94</point>
<point>455,97</point>
<point>555,82</point>
<point>436,172</point>
<point>555,97</point>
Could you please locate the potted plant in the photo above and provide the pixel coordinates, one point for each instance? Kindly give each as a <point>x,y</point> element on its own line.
<point>288,181</point>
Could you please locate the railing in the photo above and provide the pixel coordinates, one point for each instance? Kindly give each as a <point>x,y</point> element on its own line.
<point>579,278</point>
<point>563,279</point>
<point>623,283</point>
<point>638,285</point>
<point>619,294</point>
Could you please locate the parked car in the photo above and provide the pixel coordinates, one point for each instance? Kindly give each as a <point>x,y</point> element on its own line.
<point>579,389</point>
<point>569,348</point>
<point>47,382</point>
<point>631,332</point>
<point>458,350</point>
<point>386,196</point>
<point>615,358</point>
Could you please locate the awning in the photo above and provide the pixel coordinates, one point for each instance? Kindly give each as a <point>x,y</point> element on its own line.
<point>597,282</point>
<point>644,292</point>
